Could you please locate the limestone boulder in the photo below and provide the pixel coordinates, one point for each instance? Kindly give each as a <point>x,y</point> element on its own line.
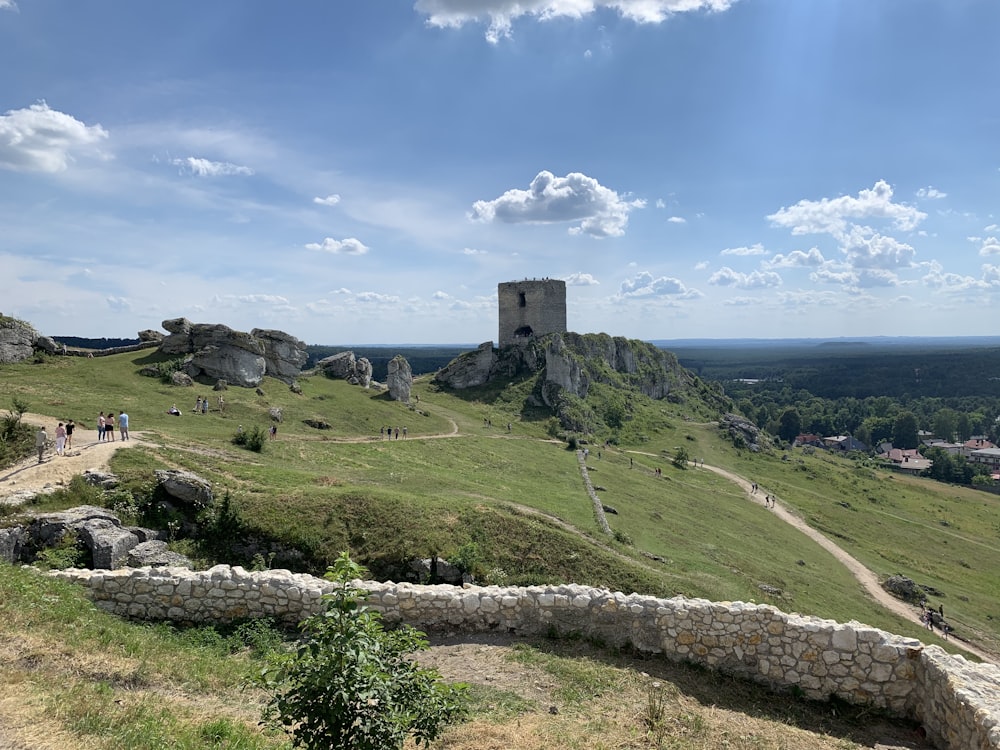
<point>11,543</point>
<point>181,379</point>
<point>471,369</point>
<point>339,366</point>
<point>284,355</point>
<point>150,335</point>
<point>185,487</point>
<point>47,529</point>
<point>103,479</point>
<point>179,340</point>
<point>156,555</point>
<point>362,373</point>
<point>108,542</point>
<point>47,344</point>
<point>17,340</point>
<point>233,363</point>
<point>565,368</point>
<point>399,379</point>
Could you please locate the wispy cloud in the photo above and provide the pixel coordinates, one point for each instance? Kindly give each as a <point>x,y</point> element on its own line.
<point>349,246</point>
<point>330,200</point>
<point>757,249</point>
<point>501,14</point>
<point>931,193</point>
<point>206,168</point>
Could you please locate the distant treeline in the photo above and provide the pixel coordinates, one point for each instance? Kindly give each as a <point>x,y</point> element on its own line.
<point>855,371</point>
<point>79,342</point>
<point>422,359</point>
<point>864,390</point>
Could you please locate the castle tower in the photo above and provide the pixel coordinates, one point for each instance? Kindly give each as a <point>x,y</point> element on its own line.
<point>531,308</point>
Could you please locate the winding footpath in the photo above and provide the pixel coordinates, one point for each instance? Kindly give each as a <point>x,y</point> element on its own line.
<point>867,578</point>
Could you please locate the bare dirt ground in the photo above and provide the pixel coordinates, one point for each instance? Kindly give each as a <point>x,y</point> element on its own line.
<point>57,471</point>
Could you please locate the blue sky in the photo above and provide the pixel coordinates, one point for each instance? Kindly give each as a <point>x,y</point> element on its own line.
<point>367,171</point>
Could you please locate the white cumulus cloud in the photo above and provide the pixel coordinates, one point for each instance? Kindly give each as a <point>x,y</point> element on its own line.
<point>991,246</point>
<point>877,251</point>
<point>330,200</point>
<point>677,220</point>
<point>473,251</point>
<point>41,139</point>
<point>600,211</point>
<point>833,216</point>
<point>349,246</point>
<point>644,284</point>
<point>206,168</point>
<point>581,279</point>
<point>726,276</point>
<point>501,14</point>
<point>797,259</point>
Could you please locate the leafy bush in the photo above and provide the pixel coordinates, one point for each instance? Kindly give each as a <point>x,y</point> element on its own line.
<point>350,685</point>
<point>253,439</point>
<point>68,553</point>
<point>681,457</point>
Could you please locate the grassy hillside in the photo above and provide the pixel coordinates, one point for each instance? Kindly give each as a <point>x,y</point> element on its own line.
<point>461,486</point>
<point>510,505</point>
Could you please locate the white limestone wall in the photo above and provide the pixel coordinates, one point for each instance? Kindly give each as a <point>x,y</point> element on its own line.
<point>957,701</point>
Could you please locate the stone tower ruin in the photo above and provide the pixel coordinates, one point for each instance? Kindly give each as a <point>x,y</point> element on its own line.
<point>531,308</point>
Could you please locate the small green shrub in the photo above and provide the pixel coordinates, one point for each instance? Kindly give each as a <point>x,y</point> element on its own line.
<point>252,439</point>
<point>350,684</point>
<point>68,553</point>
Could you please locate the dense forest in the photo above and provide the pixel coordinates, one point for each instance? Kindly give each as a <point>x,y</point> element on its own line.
<point>875,393</point>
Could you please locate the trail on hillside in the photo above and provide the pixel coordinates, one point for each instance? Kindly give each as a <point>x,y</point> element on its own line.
<point>867,578</point>
<point>55,470</point>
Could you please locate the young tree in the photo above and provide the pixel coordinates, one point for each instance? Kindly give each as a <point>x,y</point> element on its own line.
<point>789,425</point>
<point>350,685</point>
<point>904,433</point>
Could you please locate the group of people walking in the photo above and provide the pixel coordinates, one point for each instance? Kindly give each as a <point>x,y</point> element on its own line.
<point>64,433</point>
<point>387,432</point>
<point>106,426</point>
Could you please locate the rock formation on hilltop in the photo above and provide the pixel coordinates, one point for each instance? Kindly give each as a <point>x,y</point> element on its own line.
<point>19,341</point>
<point>218,352</point>
<point>568,364</point>
<point>344,366</point>
<point>399,379</point>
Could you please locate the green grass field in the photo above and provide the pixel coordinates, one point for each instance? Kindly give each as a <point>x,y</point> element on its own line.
<point>512,503</point>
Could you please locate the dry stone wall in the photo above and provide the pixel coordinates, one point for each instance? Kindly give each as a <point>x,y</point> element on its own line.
<point>957,701</point>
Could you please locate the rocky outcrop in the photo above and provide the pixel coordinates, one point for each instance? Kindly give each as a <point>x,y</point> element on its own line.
<point>344,366</point>
<point>284,355</point>
<point>17,340</point>
<point>155,554</point>
<point>185,487</point>
<point>471,369</point>
<point>566,365</point>
<point>217,352</point>
<point>743,433</point>
<point>150,335</point>
<point>97,528</point>
<point>399,379</point>
<point>105,480</point>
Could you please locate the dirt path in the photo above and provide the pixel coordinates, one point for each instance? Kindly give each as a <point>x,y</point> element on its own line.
<point>57,471</point>
<point>867,578</point>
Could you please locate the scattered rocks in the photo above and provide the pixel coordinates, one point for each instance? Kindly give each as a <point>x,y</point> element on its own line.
<point>275,413</point>
<point>318,424</point>
<point>155,554</point>
<point>103,479</point>
<point>186,487</point>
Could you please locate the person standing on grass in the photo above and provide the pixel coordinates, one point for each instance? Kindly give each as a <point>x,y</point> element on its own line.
<point>100,427</point>
<point>60,438</point>
<point>70,426</point>
<point>41,438</point>
<point>123,425</point>
<point>109,427</point>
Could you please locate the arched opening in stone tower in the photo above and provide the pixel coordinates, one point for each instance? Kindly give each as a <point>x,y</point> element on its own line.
<point>523,332</point>
<point>521,301</point>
